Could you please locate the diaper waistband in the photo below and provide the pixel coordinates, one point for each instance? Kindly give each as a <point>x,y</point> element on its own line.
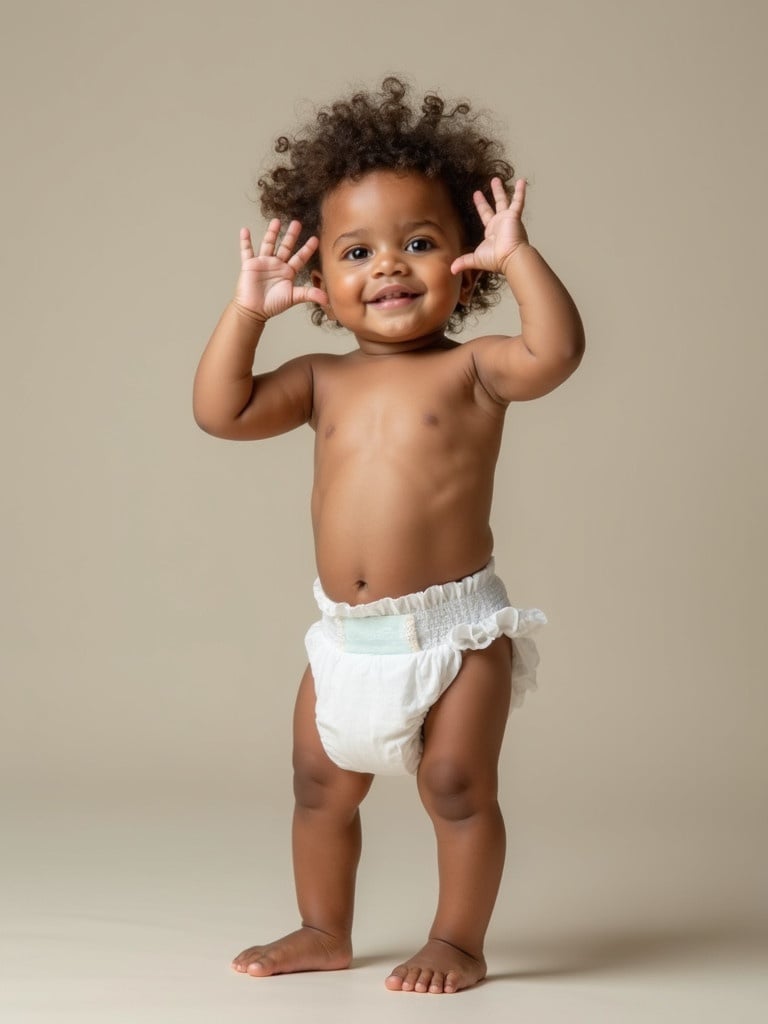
<point>417,622</point>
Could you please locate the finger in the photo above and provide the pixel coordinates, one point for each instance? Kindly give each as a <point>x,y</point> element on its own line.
<point>518,198</point>
<point>246,245</point>
<point>267,247</point>
<point>284,250</point>
<point>300,258</point>
<point>483,207</point>
<point>500,196</point>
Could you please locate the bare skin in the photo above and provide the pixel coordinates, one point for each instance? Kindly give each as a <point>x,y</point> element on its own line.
<point>407,434</point>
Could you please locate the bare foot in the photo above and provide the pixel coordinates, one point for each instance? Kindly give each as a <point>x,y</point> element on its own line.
<point>307,949</point>
<point>437,967</point>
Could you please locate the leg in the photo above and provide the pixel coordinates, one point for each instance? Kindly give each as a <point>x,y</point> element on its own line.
<point>458,786</point>
<point>326,850</point>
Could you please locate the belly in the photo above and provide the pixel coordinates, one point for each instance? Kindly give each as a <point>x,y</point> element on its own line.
<point>383,529</point>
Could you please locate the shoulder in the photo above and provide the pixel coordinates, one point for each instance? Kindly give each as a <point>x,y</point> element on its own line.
<point>509,371</point>
<point>306,367</point>
<point>481,354</point>
<point>327,365</point>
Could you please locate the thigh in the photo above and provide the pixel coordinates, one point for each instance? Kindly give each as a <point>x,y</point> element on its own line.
<point>316,778</point>
<point>465,728</point>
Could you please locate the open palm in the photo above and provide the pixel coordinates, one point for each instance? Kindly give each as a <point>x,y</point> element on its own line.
<point>267,282</point>
<point>504,231</point>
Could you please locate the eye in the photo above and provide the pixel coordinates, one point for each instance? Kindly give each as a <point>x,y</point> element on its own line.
<point>357,252</point>
<point>419,245</point>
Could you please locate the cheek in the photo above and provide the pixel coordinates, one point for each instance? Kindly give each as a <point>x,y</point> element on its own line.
<point>449,284</point>
<point>343,283</point>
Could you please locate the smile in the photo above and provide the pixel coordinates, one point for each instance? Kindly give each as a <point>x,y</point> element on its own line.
<point>392,297</point>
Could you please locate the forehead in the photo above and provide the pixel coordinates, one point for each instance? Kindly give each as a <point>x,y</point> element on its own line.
<point>387,197</point>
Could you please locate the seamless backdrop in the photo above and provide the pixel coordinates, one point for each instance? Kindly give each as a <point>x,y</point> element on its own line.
<point>158,582</point>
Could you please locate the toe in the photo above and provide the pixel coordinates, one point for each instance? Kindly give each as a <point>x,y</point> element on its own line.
<point>241,961</point>
<point>395,981</point>
<point>451,982</point>
<point>438,982</point>
<point>423,981</point>
<point>262,967</point>
<point>409,981</point>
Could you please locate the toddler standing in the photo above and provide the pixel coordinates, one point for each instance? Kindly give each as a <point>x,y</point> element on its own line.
<point>400,225</point>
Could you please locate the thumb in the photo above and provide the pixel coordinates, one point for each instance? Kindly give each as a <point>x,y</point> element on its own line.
<point>465,262</point>
<point>310,294</point>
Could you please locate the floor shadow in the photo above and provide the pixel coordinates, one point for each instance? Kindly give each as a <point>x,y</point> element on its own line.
<point>387,960</point>
<point>626,948</point>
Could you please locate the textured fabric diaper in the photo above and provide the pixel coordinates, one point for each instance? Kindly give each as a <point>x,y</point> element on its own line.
<point>379,667</point>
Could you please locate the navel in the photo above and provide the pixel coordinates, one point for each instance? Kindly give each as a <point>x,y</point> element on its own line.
<point>330,430</point>
<point>430,419</point>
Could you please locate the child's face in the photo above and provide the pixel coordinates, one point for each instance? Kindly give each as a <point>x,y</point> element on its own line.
<point>387,243</point>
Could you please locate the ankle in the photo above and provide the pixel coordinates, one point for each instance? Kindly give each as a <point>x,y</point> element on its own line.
<point>472,950</point>
<point>333,938</point>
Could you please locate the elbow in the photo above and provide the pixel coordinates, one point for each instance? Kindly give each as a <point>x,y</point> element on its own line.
<point>576,354</point>
<point>577,342</point>
<point>208,423</point>
<point>201,409</point>
<point>573,356</point>
<point>213,417</point>
<point>573,351</point>
<point>581,343</point>
<point>199,415</point>
<point>204,425</point>
<point>558,368</point>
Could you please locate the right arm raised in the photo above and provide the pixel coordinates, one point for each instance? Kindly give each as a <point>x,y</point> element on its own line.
<point>228,401</point>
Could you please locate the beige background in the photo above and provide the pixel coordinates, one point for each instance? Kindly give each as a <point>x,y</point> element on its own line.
<point>158,581</point>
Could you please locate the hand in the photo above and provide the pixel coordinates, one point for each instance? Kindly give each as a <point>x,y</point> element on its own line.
<point>504,231</point>
<point>266,284</point>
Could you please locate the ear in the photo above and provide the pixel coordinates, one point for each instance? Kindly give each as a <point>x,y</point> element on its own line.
<point>317,281</point>
<point>469,279</point>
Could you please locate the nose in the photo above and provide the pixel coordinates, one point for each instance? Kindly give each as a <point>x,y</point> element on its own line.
<point>389,263</point>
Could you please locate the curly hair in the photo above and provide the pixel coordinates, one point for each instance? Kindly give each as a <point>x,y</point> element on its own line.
<point>381,130</point>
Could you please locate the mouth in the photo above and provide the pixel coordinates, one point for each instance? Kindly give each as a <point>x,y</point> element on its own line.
<point>392,296</point>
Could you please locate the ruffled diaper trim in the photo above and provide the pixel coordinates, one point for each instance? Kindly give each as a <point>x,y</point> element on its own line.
<point>515,623</point>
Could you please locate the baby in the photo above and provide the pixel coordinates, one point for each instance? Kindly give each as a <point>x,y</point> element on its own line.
<point>404,226</point>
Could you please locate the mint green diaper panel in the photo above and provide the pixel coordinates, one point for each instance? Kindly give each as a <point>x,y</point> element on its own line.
<point>378,634</point>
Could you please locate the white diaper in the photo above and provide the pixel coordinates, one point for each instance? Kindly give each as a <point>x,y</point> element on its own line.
<point>379,667</point>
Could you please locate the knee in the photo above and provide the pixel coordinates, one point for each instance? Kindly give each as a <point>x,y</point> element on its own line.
<point>312,780</point>
<point>452,791</point>
<point>319,785</point>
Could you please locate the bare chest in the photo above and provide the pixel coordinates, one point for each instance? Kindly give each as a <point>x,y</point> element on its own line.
<point>422,404</point>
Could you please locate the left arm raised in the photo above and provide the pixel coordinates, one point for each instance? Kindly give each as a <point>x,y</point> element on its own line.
<point>551,342</point>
